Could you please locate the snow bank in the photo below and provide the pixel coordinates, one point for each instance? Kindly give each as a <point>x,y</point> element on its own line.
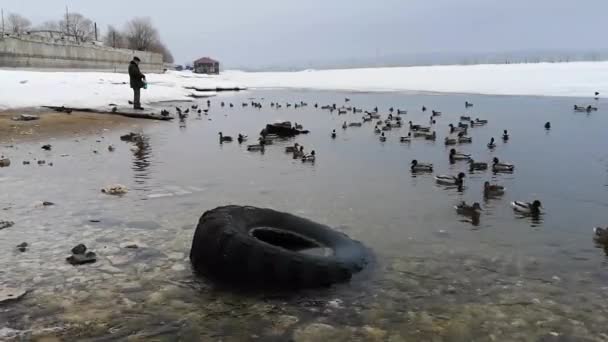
<point>580,79</point>
<point>20,89</point>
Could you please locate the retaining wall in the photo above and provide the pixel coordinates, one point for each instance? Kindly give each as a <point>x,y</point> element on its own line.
<point>47,53</point>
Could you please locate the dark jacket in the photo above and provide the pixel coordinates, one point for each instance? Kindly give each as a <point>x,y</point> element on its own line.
<point>137,78</point>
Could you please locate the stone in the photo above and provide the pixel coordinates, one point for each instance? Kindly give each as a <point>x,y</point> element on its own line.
<point>25,117</point>
<point>81,259</point>
<point>8,294</point>
<point>315,332</point>
<point>335,304</point>
<point>79,249</point>
<point>6,224</point>
<point>115,189</point>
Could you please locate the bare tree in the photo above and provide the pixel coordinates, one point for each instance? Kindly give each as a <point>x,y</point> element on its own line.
<point>115,38</point>
<point>78,26</point>
<point>141,34</point>
<point>17,24</point>
<point>161,48</point>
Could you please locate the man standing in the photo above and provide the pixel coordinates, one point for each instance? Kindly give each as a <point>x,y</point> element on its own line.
<point>137,82</point>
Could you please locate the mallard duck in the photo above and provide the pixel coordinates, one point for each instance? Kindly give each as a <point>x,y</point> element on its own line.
<point>423,108</point>
<point>291,149</point>
<point>397,124</point>
<point>479,166</point>
<point>527,208</point>
<point>366,118</point>
<point>465,118</point>
<point>265,140</point>
<point>490,190</point>
<point>465,140</point>
<point>475,124</point>
<point>463,125</point>
<point>111,148</point>
<point>344,125</point>
<point>382,137</point>
<point>355,124</point>
<point>298,126</point>
<point>407,138</point>
<point>458,156</point>
<point>479,121</point>
<point>450,180</point>
<point>505,135</point>
<point>435,113</point>
<point>467,104</point>
<point>421,167</point>
<point>299,153</point>
<point>454,129</point>
<point>600,235</point>
<point>241,138</point>
<point>418,134</point>
<point>491,144</point>
<point>401,112</point>
<point>377,130</point>
<point>223,138</point>
<point>309,158</point>
<point>387,128</point>
<point>497,166</point>
<point>468,210</point>
<point>333,134</point>
<point>116,189</point>
<point>254,148</point>
<point>450,141</point>
<point>547,125</point>
<point>374,116</point>
<point>432,136</point>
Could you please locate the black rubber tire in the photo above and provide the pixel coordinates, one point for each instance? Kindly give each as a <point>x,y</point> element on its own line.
<point>224,248</point>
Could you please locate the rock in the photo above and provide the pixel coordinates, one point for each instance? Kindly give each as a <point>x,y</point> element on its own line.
<point>26,162</point>
<point>6,224</point>
<point>79,249</point>
<point>22,247</point>
<point>315,332</point>
<point>115,189</point>
<point>81,259</point>
<point>5,162</point>
<point>8,294</point>
<point>47,147</point>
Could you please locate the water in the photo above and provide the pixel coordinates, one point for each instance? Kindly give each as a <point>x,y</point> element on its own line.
<point>435,276</point>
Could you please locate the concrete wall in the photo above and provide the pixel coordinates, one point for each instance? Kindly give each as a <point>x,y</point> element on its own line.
<point>46,53</point>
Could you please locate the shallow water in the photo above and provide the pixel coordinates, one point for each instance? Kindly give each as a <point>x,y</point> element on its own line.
<point>435,276</point>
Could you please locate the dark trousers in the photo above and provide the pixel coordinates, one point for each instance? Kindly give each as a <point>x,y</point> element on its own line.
<point>136,97</point>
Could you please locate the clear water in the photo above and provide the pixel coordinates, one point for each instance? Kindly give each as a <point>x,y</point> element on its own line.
<point>435,276</point>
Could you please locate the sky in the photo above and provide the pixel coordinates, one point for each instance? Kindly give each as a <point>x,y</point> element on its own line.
<point>280,33</point>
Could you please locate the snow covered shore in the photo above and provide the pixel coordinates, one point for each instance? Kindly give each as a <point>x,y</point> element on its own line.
<point>20,89</point>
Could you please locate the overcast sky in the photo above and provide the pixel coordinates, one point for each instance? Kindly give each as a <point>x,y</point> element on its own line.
<point>253,33</point>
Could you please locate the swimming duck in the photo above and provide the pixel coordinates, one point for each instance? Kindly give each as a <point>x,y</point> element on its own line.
<point>265,140</point>
<point>432,136</point>
<point>467,104</point>
<point>478,121</point>
<point>477,166</point>
<point>224,139</point>
<point>391,109</point>
<point>465,140</point>
<point>377,130</point>
<point>241,138</point>
<point>366,118</point>
<point>298,126</point>
<point>333,134</point>
<point>401,112</point>
<point>355,124</point>
<point>600,235</point>
<point>456,129</point>
<point>407,138</point>
<point>547,125</point>
<point>255,148</point>
<point>492,144</point>
<point>111,148</point>
<point>468,210</point>
<point>382,137</point>
<point>450,180</point>
<point>458,156</point>
<point>423,108</point>
<point>435,113</point>
<point>231,105</point>
<point>418,134</point>
<point>299,153</point>
<point>291,149</point>
<point>505,135</point>
<point>397,124</point>
<point>344,125</point>
<point>465,118</point>
<point>527,208</point>
<point>490,190</point>
<point>309,158</point>
<point>450,141</point>
<point>387,128</point>
<point>497,166</point>
<point>421,167</point>
<point>346,99</point>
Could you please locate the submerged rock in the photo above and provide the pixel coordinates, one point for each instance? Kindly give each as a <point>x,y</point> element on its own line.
<point>8,294</point>
<point>6,224</point>
<point>79,249</point>
<point>80,256</point>
<point>115,189</point>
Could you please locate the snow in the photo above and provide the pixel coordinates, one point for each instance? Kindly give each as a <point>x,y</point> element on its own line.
<point>21,89</point>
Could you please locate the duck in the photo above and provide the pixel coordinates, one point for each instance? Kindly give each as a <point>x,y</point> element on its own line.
<point>527,208</point>
<point>465,140</point>
<point>435,113</point>
<point>377,130</point>
<point>450,141</point>
<point>547,125</point>
<point>505,135</point>
<point>458,156</point>
<point>397,124</point>
<point>467,104</point>
<point>224,139</point>
<point>421,167</point>
<point>115,189</point>
<point>255,148</point>
<point>450,180</point>
<point>223,104</point>
<point>468,210</point>
<point>374,116</point>
<point>310,157</point>
<point>407,138</point>
<point>423,108</point>
<point>600,235</point>
<point>291,149</point>
<point>497,166</point>
<point>431,136</point>
<point>479,121</point>
<point>231,105</point>
<point>387,127</point>
<point>265,140</point>
<point>477,166</point>
<point>491,144</point>
<point>298,126</point>
<point>241,138</point>
<point>333,134</point>
<point>355,124</point>
<point>490,190</point>
<point>456,129</point>
<point>382,137</point>
<point>401,112</point>
<point>298,153</point>
<point>111,148</point>
<point>344,125</point>
<point>418,134</point>
<point>465,118</point>
<point>391,109</point>
<point>346,99</point>
<point>366,118</point>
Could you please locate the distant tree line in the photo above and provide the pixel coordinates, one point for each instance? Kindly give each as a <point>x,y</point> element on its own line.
<point>138,34</point>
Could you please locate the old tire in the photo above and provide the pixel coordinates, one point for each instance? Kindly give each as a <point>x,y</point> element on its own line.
<point>262,247</point>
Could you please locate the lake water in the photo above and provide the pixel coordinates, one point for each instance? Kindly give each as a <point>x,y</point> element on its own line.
<point>435,276</point>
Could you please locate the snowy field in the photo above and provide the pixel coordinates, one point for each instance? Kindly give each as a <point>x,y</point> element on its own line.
<point>20,89</point>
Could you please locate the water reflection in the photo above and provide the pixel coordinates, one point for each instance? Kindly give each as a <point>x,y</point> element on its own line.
<point>142,153</point>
